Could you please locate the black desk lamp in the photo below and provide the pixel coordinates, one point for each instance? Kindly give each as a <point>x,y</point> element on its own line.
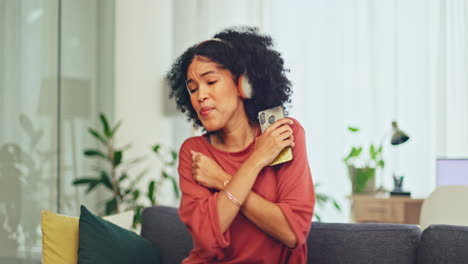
<point>399,137</point>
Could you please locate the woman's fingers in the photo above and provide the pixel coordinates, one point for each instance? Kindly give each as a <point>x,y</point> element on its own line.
<point>283,134</point>
<point>279,123</point>
<point>282,131</point>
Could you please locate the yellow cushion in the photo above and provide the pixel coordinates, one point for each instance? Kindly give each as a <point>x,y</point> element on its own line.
<point>60,235</point>
<point>59,238</point>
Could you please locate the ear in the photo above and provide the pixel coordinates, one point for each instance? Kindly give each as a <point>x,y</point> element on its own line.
<point>245,87</point>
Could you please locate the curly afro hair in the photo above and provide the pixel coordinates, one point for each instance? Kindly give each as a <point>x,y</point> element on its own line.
<point>241,50</point>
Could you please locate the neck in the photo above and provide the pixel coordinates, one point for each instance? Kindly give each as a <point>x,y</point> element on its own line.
<point>235,139</point>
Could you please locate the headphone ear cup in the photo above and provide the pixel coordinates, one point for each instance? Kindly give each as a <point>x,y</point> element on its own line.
<point>245,87</point>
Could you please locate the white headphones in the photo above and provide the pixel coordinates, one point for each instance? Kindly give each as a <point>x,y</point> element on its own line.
<point>245,87</point>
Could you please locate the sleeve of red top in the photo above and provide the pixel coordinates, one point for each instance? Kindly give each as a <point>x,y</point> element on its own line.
<point>198,210</point>
<point>296,194</point>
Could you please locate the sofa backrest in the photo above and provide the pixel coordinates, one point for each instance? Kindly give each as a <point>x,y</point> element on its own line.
<point>443,244</point>
<point>336,243</point>
<point>161,225</point>
<point>327,242</point>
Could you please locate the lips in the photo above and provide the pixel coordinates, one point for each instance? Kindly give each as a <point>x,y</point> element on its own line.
<point>205,111</point>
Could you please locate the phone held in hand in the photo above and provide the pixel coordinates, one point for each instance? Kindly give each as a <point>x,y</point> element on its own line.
<point>266,119</point>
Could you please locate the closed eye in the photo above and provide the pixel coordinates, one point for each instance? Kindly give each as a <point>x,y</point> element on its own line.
<point>211,83</point>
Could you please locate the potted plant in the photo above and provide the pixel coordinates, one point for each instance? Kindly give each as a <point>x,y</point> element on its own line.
<point>362,168</point>
<point>114,174</point>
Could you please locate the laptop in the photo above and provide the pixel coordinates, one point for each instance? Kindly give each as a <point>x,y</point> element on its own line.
<point>452,172</point>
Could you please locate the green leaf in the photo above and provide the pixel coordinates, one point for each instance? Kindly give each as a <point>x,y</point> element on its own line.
<point>353,129</point>
<point>84,181</point>
<point>123,177</point>
<point>175,186</point>
<point>105,125</point>
<point>151,192</point>
<point>354,153</point>
<point>136,194</point>
<point>358,152</point>
<point>319,219</point>
<point>117,158</point>
<point>174,159</point>
<point>156,148</point>
<point>95,153</point>
<point>380,149</point>
<point>106,181</point>
<point>174,155</point>
<point>381,163</point>
<point>92,185</point>
<point>116,127</point>
<point>321,197</point>
<point>337,206</point>
<point>137,217</point>
<point>124,194</point>
<point>111,206</point>
<point>97,136</point>
<point>372,151</point>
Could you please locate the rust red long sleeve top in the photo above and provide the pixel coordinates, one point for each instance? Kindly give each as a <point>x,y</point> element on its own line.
<point>288,185</point>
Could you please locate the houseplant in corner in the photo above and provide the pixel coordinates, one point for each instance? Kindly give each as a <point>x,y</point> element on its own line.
<point>114,173</point>
<point>362,167</point>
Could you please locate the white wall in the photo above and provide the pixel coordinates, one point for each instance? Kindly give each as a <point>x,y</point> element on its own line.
<point>143,45</point>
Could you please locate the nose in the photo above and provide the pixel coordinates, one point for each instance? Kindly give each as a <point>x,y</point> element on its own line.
<point>202,93</point>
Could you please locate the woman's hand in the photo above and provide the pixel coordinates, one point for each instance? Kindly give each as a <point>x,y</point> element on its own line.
<point>273,140</point>
<point>207,172</point>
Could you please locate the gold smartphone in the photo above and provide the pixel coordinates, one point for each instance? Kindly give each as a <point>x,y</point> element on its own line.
<point>266,119</point>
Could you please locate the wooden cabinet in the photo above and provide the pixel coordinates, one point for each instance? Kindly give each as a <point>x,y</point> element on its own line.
<point>386,209</point>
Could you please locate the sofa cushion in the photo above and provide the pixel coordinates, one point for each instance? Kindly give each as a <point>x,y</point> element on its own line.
<point>60,235</point>
<point>101,241</point>
<point>362,243</point>
<point>162,226</point>
<point>443,244</point>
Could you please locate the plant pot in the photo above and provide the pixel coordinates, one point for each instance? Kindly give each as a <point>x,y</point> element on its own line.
<point>362,179</point>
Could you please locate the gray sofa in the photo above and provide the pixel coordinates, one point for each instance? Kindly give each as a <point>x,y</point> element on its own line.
<point>330,243</point>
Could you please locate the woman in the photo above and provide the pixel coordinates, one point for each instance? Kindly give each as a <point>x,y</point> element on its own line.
<point>237,208</point>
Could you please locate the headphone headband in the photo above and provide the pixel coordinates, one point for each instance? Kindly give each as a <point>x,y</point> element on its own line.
<point>213,39</point>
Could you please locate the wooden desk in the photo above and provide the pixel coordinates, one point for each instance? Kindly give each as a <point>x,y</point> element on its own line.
<point>386,209</point>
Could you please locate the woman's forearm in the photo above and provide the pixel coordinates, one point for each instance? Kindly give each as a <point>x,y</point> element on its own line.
<point>270,218</point>
<point>264,214</point>
<point>239,188</point>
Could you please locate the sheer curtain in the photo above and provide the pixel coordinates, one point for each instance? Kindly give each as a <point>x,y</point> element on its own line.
<point>43,125</point>
<point>361,63</point>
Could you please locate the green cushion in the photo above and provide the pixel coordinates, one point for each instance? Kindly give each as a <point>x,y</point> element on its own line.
<point>103,242</point>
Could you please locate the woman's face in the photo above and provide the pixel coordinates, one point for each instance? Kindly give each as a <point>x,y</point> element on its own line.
<point>213,94</point>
